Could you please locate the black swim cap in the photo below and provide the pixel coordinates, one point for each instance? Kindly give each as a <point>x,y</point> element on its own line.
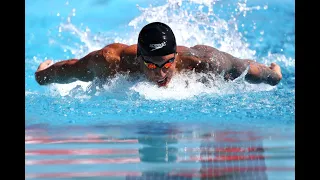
<point>156,39</point>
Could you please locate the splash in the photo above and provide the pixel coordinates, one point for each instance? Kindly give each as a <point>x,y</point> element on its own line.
<point>194,22</point>
<point>192,85</point>
<point>186,85</point>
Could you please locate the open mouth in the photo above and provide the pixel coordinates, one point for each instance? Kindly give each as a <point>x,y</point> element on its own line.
<point>162,82</point>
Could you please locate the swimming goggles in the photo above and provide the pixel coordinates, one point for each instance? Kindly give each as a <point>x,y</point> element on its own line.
<point>151,65</point>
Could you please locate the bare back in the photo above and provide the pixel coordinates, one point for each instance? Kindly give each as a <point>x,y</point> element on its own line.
<point>203,58</point>
<point>122,58</point>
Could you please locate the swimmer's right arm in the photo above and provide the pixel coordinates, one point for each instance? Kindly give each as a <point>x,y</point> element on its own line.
<point>65,71</point>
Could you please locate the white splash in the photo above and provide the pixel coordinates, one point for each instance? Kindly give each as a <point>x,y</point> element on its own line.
<point>68,89</point>
<point>192,85</point>
<point>182,86</point>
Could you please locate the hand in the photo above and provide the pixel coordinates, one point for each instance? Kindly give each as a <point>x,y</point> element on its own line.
<point>276,68</point>
<point>44,65</point>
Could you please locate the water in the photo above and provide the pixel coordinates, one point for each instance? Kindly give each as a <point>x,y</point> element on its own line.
<point>131,129</point>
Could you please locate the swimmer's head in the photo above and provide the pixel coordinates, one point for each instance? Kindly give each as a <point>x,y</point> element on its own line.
<point>157,52</point>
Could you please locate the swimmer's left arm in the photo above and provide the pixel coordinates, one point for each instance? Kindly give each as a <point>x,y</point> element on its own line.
<point>200,58</point>
<point>258,73</point>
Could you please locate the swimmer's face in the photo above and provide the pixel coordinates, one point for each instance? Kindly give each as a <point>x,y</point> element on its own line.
<point>159,69</point>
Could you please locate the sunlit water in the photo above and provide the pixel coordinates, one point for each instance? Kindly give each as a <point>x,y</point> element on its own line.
<point>161,132</point>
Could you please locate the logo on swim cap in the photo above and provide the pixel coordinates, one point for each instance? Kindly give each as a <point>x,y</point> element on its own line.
<point>156,39</point>
<point>157,46</point>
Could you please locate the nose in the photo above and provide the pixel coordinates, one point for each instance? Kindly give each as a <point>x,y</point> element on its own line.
<point>160,72</point>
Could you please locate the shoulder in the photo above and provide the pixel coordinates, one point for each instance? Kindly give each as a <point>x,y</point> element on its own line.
<point>196,52</point>
<point>119,49</point>
<point>186,52</point>
<point>116,50</point>
<point>205,50</point>
<point>130,50</point>
<point>187,57</point>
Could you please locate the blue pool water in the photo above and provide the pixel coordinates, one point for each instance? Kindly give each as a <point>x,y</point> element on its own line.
<point>140,131</point>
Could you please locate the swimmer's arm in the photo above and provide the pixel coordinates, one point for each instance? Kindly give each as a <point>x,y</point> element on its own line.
<point>232,66</point>
<point>257,73</point>
<point>65,71</point>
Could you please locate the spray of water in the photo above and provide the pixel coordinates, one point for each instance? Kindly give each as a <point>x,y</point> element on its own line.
<point>194,22</point>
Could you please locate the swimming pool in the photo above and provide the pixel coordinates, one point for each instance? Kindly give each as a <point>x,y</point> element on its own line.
<point>129,128</point>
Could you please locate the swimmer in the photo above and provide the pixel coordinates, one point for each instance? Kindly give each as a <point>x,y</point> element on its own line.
<point>159,58</point>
